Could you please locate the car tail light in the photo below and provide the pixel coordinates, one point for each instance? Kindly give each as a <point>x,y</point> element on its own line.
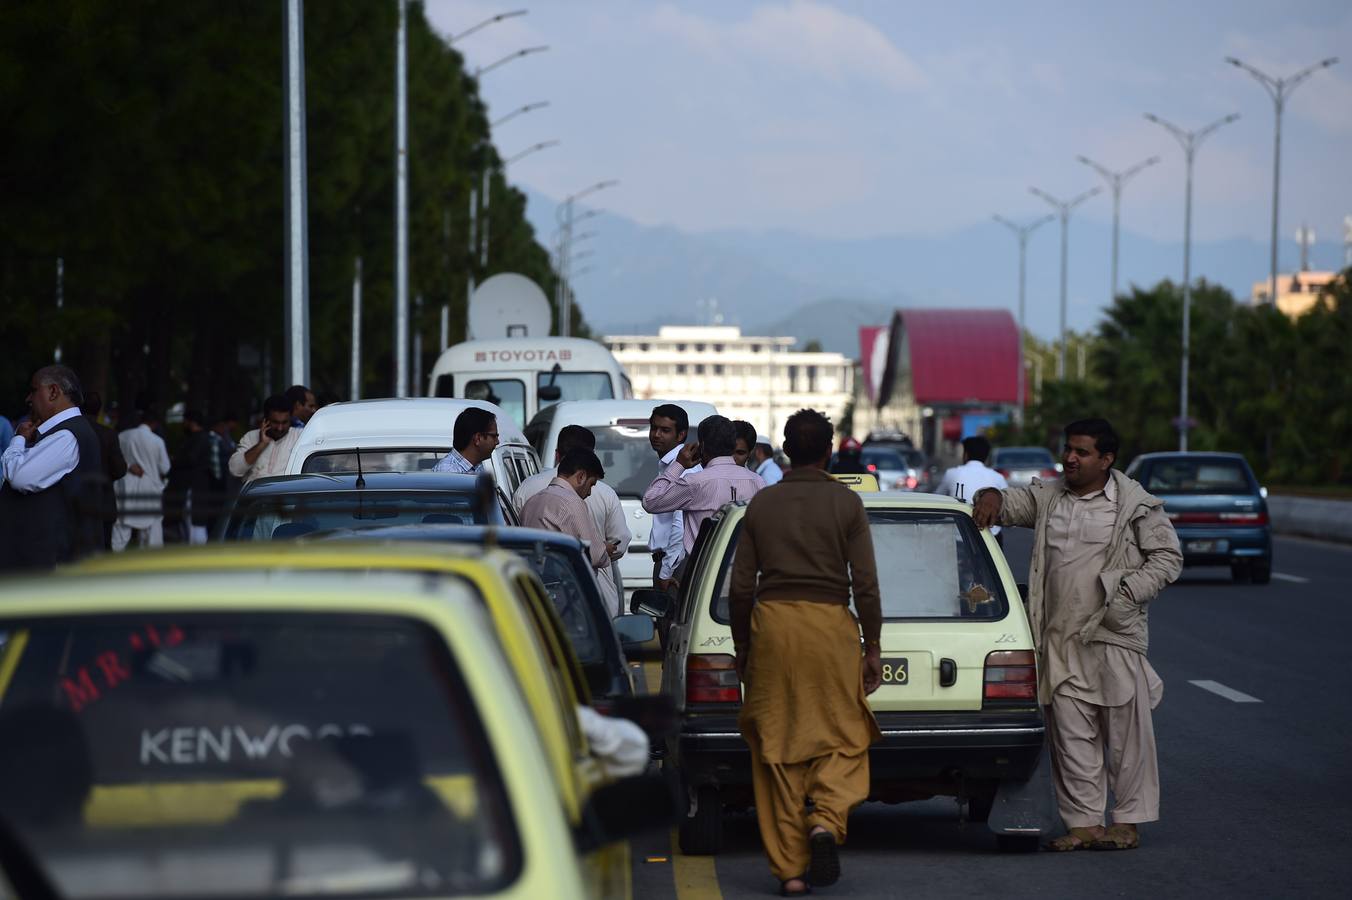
<point>1004,472</point>
<point>872,468</point>
<point>1245,518</point>
<point>1010,675</point>
<point>911,482</point>
<point>1049,473</point>
<point>712,678</point>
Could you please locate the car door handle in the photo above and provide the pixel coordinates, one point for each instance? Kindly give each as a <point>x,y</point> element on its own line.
<point>948,673</point>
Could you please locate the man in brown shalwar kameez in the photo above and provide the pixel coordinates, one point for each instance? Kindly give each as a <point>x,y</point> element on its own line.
<point>804,548</point>
<point>1102,550</point>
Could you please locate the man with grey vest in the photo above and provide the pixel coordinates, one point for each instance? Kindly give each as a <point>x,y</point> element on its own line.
<point>49,502</point>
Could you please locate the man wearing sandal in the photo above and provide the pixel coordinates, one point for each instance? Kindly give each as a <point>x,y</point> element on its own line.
<point>804,549</point>
<point>1102,550</point>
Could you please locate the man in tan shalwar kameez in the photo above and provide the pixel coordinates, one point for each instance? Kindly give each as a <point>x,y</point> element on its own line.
<point>804,548</point>
<point>1102,550</point>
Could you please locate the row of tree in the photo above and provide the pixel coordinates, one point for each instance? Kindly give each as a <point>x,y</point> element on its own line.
<point>144,150</point>
<point>1272,387</point>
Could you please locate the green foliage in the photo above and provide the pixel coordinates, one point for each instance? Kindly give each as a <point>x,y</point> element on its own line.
<point>144,147</point>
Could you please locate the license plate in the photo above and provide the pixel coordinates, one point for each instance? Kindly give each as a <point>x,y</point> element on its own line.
<point>895,670</point>
<point>1206,546</point>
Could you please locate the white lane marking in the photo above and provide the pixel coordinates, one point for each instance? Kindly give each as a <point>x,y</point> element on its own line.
<point>1219,689</point>
<point>1296,579</point>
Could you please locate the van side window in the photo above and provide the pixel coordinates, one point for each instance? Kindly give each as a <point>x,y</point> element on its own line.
<point>445,386</point>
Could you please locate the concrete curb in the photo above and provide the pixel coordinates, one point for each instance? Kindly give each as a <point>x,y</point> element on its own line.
<point>1329,520</point>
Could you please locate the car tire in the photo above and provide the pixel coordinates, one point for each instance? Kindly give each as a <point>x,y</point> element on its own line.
<point>979,806</point>
<point>1260,571</point>
<point>1017,843</point>
<point>701,834</point>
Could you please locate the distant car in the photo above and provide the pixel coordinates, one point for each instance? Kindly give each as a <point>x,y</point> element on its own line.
<point>888,437</point>
<point>1218,509</point>
<point>1020,465</point>
<point>888,465</point>
<point>926,471</point>
<point>289,506</point>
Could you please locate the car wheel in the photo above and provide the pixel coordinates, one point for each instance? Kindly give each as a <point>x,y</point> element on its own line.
<point>1017,843</point>
<point>1260,571</point>
<point>701,834</point>
<point>979,807</point>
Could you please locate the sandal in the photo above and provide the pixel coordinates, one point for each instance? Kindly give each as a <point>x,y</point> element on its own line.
<point>824,867</point>
<point>1118,837</point>
<point>1075,839</point>
<point>785,892</point>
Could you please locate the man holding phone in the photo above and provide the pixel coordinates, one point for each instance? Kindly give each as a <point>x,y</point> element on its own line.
<point>267,449</point>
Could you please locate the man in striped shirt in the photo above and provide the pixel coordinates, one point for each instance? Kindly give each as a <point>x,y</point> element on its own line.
<point>562,507</point>
<point>474,439</point>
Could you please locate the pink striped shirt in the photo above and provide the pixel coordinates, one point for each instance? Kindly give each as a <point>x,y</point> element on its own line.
<point>698,495</point>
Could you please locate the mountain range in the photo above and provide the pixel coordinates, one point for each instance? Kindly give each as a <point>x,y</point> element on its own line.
<point>786,282</point>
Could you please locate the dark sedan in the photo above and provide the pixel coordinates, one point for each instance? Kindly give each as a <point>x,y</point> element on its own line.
<point>1217,507</point>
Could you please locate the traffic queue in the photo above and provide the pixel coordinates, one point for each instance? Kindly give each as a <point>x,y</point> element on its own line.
<point>406,665</point>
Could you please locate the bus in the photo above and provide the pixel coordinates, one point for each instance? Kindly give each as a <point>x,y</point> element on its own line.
<point>524,375</point>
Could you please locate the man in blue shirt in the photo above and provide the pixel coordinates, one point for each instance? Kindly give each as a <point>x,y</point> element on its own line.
<point>474,439</point>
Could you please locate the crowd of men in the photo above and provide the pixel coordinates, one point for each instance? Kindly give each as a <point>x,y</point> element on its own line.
<point>1103,549</point>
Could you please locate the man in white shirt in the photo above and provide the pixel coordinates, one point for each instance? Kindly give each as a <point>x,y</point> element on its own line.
<point>763,460</point>
<point>267,449</point>
<point>965,480</point>
<point>603,503</point>
<point>667,429</point>
<point>473,440</point>
<point>140,509</point>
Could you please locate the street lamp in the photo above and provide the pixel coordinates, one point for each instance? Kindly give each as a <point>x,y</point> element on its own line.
<point>485,23</point>
<point>1022,232</point>
<point>1189,141</point>
<point>1115,181</point>
<point>1278,89</point>
<point>525,51</point>
<point>529,107</point>
<point>1063,208</point>
<point>533,148</point>
<point>567,220</point>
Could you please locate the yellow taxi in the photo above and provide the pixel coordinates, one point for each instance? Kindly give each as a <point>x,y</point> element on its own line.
<point>958,704</point>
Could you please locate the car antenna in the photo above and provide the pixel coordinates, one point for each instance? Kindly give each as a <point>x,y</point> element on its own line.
<point>361,479</point>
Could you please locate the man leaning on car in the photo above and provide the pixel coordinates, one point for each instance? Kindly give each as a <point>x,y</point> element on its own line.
<point>1102,550</point>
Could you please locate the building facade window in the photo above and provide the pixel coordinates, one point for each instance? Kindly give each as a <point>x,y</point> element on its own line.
<point>680,368</point>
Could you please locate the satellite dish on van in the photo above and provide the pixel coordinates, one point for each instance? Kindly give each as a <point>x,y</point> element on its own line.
<point>508,305</point>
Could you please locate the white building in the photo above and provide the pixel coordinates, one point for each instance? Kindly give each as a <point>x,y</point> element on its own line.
<point>720,365</point>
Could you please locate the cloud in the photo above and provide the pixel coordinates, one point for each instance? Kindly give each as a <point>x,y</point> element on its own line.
<point>801,36</point>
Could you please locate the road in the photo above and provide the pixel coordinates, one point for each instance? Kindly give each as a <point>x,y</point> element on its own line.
<point>1256,771</point>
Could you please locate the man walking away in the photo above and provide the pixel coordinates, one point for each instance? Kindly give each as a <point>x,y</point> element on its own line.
<point>804,550</point>
<point>698,495</point>
<point>473,440</point>
<point>49,498</point>
<point>668,427</point>
<point>303,404</point>
<point>114,465</point>
<point>561,507</point>
<point>140,494</point>
<point>746,439</point>
<point>965,480</point>
<point>603,504</point>
<point>763,461</point>
<point>1102,550</point>
<point>267,449</point>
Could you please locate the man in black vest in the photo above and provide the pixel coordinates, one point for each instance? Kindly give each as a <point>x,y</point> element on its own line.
<point>49,501</point>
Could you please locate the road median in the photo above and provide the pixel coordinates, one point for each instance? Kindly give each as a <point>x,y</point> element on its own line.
<point>1316,517</point>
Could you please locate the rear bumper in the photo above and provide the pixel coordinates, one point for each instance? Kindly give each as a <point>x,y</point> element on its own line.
<point>915,747</point>
<point>1229,544</point>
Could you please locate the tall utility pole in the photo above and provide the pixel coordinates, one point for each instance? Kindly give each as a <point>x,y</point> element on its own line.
<point>401,206</point>
<point>296,322</point>
<point>1063,209</point>
<point>1189,141</point>
<point>1022,232</point>
<point>1278,89</point>
<point>355,391</point>
<point>1115,181</point>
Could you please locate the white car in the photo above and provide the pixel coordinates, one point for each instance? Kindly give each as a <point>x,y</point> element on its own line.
<point>408,435</point>
<point>621,429</point>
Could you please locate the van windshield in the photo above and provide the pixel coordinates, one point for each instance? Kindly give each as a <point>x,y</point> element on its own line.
<point>289,516</point>
<point>628,458</point>
<point>576,386</point>
<point>250,755</point>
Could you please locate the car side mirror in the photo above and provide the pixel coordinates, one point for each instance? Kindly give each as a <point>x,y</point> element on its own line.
<point>626,808</point>
<point>634,630</point>
<point>549,392</point>
<point>1023,592</point>
<point>655,603</point>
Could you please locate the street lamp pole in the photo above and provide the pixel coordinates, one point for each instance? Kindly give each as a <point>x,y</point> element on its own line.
<point>533,148</point>
<point>519,111</point>
<point>1022,232</point>
<point>1063,209</point>
<point>564,214</point>
<point>1278,89</point>
<point>1189,141</point>
<point>485,23</point>
<point>401,207</point>
<point>297,317</point>
<point>1115,181</point>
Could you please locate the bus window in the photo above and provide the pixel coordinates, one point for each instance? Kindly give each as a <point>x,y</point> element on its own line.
<point>508,393</point>
<point>576,386</point>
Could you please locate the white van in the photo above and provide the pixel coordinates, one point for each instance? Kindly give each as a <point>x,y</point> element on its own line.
<point>621,429</point>
<point>523,375</point>
<point>404,436</point>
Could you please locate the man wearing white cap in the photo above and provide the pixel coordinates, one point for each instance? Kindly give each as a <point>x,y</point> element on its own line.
<point>763,454</point>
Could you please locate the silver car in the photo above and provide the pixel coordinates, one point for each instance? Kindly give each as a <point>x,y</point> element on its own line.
<point>1020,465</point>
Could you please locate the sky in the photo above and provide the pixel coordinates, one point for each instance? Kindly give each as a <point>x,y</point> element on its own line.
<point>861,119</point>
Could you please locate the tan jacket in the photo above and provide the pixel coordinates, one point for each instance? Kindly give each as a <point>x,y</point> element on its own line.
<point>1143,557</point>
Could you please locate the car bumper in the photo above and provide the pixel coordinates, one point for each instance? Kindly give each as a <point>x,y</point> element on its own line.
<point>1212,546</point>
<point>914,747</point>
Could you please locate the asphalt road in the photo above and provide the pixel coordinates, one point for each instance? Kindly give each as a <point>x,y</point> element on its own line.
<point>1256,793</point>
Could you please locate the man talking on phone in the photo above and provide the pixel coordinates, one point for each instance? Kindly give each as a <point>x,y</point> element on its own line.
<point>267,449</point>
